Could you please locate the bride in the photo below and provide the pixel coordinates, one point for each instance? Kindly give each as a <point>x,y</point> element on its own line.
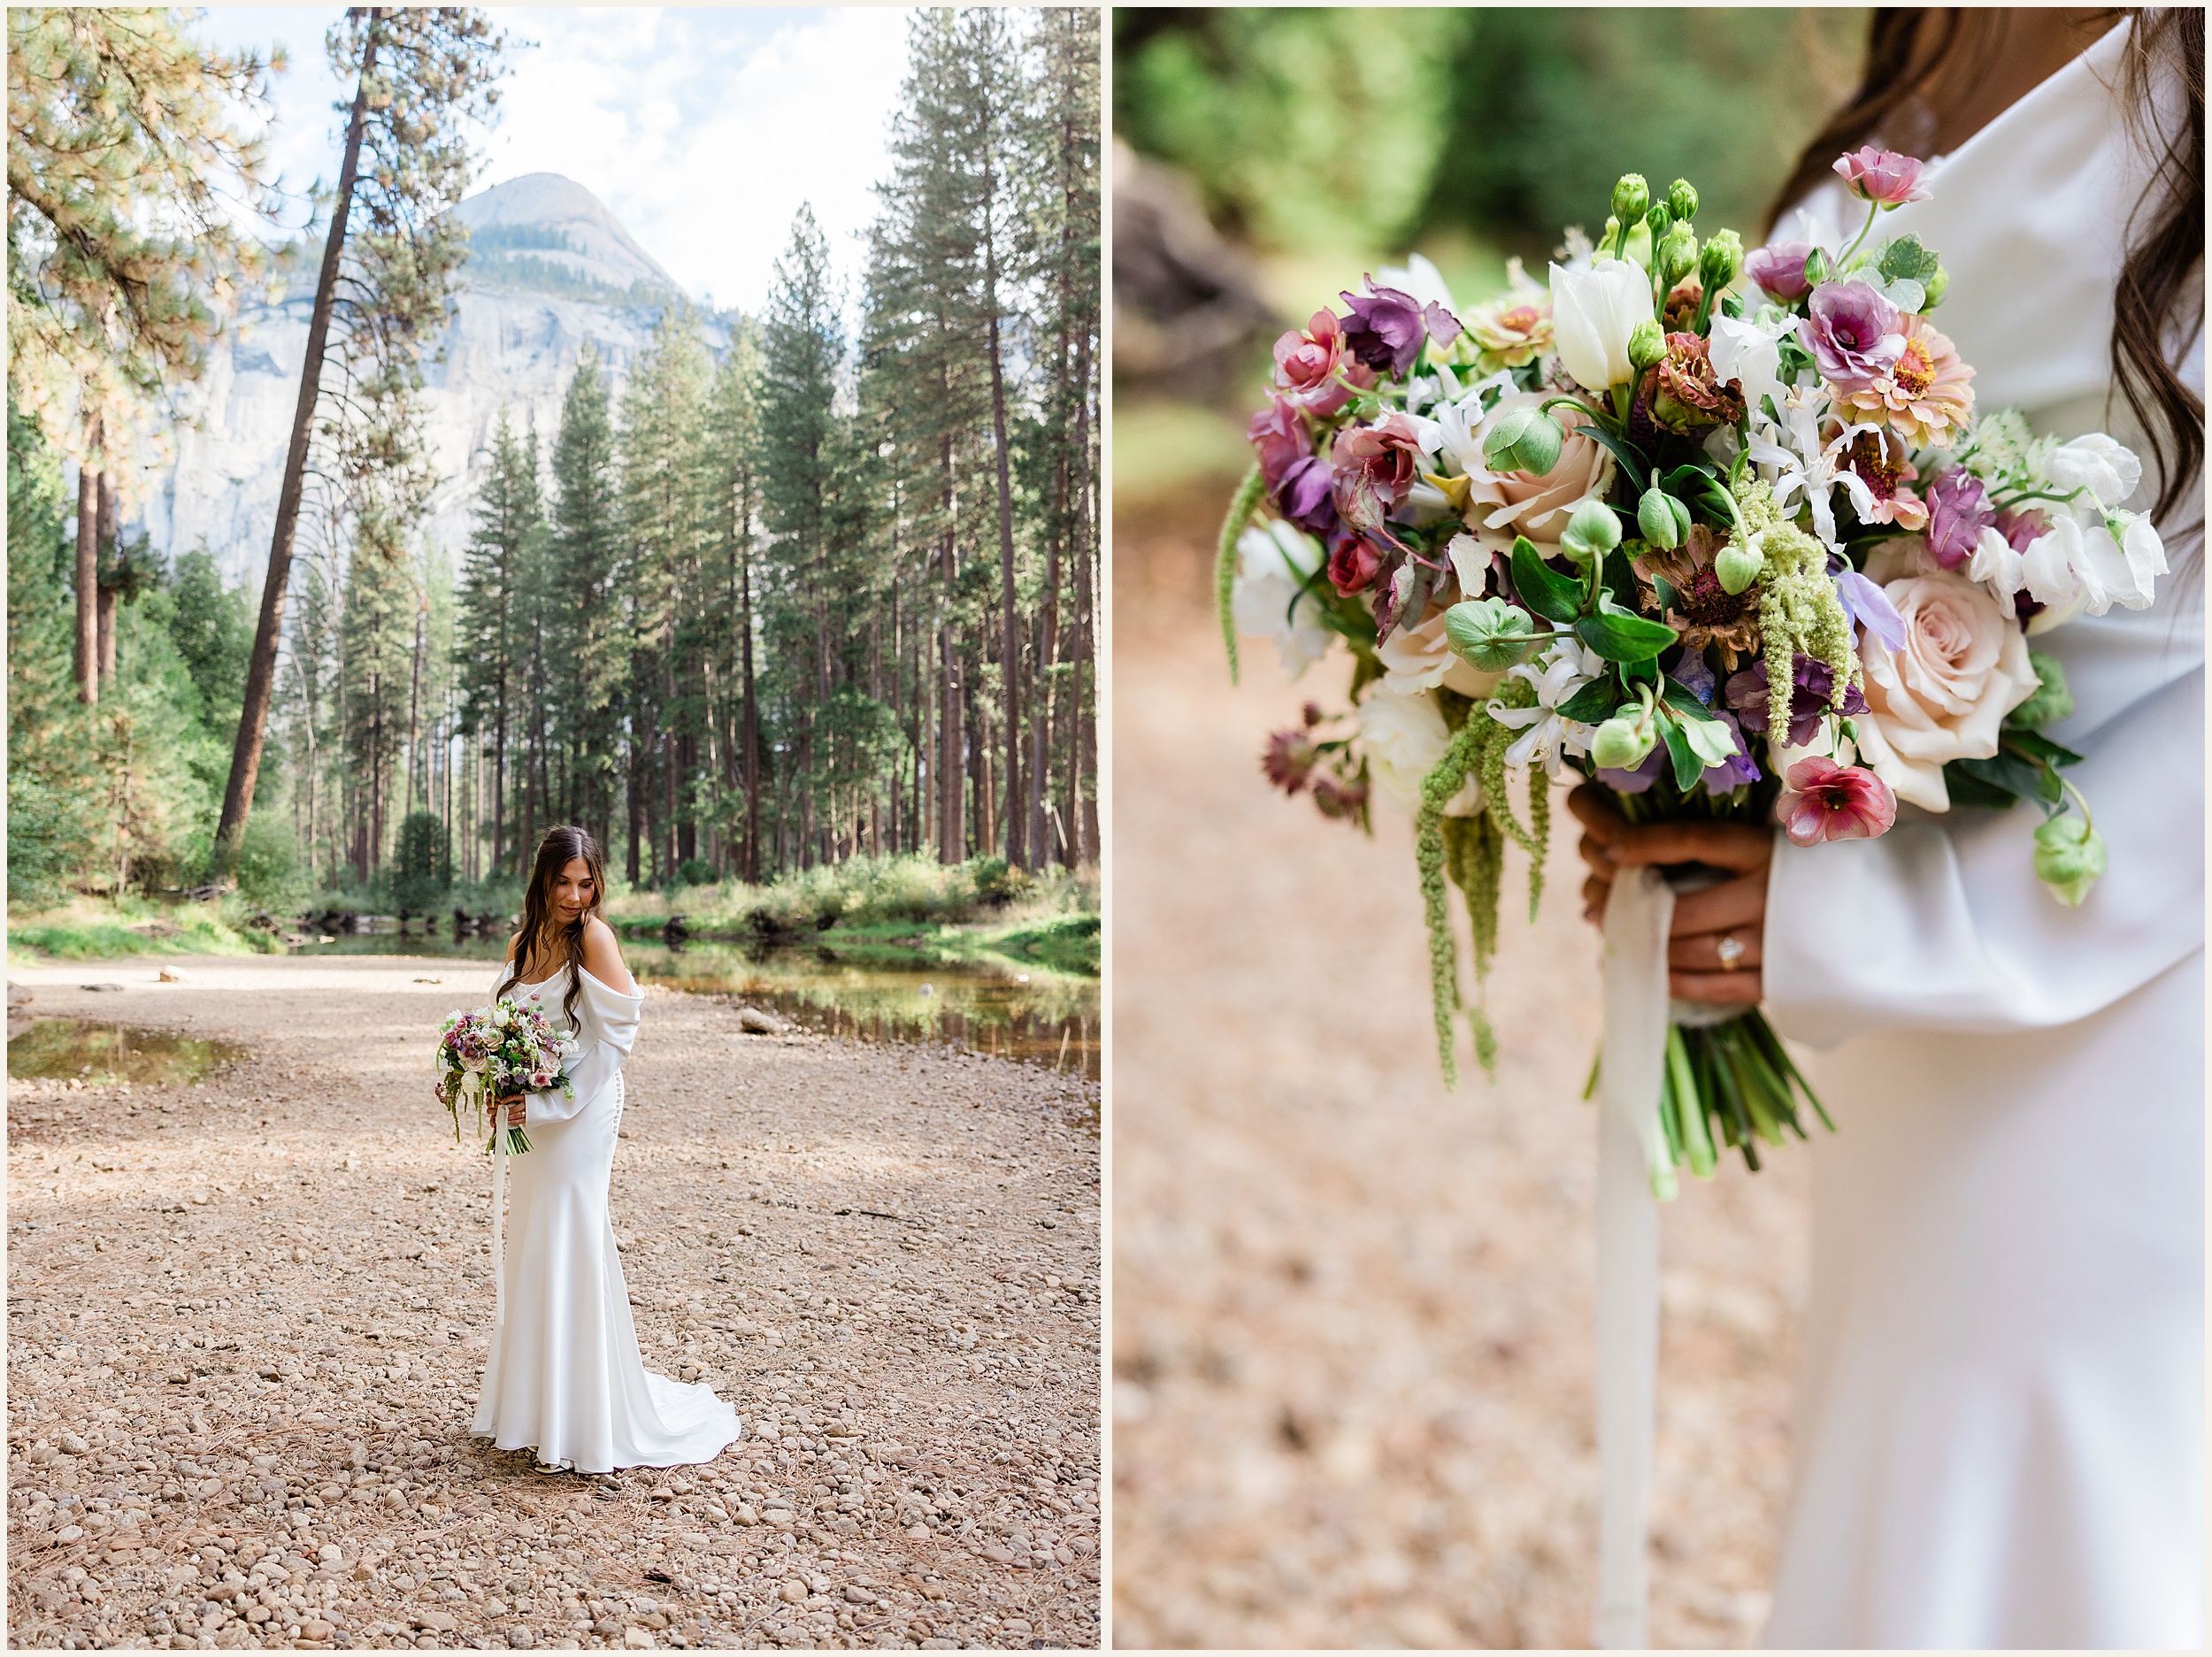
<point>565,1377</point>
<point>2000,1425</point>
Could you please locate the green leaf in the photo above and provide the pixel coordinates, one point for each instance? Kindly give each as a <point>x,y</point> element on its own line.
<point>2016,778</point>
<point>1620,578</point>
<point>2041,748</point>
<point>1905,259</point>
<point>1687,767</point>
<point>1553,597</point>
<point>1684,701</point>
<point>1967,789</point>
<point>1623,451</point>
<point>1594,702</point>
<point>1624,638</point>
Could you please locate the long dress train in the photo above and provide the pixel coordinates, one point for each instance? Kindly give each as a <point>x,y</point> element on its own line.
<point>564,1376</point>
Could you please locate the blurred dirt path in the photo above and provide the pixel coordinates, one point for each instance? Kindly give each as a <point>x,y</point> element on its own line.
<point>247,1325</point>
<point>1352,1312</point>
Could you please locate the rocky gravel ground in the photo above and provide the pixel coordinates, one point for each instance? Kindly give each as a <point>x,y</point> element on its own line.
<point>1352,1311</point>
<point>247,1321</point>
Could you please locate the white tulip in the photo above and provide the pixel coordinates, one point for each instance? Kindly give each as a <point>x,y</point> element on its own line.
<point>1592,313</point>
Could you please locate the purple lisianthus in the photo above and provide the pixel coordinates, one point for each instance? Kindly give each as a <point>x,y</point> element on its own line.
<point>1853,335</point>
<point>1642,778</point>
<point>1386,327</point>
<point>1738,770</point>
<point>1815,683</point>
<point>1308,495</point>
<point>1883,175</point>
<point>1779,268</point>
<point>1865,604</point>
<point>1958,512</point>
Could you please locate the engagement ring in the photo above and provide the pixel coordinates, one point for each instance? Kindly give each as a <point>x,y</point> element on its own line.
<point>1730,949</point>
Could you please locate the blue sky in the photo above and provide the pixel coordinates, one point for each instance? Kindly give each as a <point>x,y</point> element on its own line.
<point>701,129</point>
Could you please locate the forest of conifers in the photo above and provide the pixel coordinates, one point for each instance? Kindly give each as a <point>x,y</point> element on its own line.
<point>780,594</point>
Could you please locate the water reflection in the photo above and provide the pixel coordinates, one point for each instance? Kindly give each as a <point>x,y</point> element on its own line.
<point>101,1055</point>
<point>876,993</point>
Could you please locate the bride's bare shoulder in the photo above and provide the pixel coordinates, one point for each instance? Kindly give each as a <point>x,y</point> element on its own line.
<point>602,955</point>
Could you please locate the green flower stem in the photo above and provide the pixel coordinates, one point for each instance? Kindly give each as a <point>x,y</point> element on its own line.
<point>1691,1106</point>
<point>1873,211</point>
<point>1241,506</point>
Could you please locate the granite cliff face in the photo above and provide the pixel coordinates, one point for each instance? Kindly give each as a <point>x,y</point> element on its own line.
<point>549,268</point>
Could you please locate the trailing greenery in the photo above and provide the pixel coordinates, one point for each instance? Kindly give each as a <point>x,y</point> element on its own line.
<point>1470,852</point>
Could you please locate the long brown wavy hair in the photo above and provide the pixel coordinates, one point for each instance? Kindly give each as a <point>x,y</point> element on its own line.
<point>559,846</point>
<point>2158,309</point>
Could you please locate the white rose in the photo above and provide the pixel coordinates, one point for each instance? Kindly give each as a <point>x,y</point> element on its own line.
<point>2097,463</point>
<point>1420,658</point>
<point>1964,666</point>
<point>1268,602</point>
<point>1403,738</point>
<point>1592,313</point>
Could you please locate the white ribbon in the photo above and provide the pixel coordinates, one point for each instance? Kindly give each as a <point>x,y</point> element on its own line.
<point>499,1217</point>
<point>1632,1163</point>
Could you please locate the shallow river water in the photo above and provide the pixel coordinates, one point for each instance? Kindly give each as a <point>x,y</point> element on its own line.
<point>875,995</point>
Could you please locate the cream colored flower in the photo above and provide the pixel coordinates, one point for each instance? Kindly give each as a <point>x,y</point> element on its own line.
<point>1420,658</point>
<point>1500,505</point>
<point>1944,696</point>
<point>1592,313</point>
<point>1403,738</point>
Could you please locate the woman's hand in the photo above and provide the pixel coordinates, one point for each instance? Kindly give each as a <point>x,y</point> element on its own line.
<point>518,1107</point>
<point>1713,950</point>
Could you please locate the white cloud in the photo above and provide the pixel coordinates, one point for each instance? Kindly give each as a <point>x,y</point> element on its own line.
<point>702,129</point>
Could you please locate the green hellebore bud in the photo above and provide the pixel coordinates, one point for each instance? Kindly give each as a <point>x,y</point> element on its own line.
<point>1677,255</point>
<point>1646,343</point>
<point>1488,634</point>
<point>1622,741</point>
<point>2052,700</point>
<point>1591,533</point>
<point>1659,220</point>
<point>1665,520</point>
<point>1721,260</point>
<point>1526,439</point>
<point>2069,857</point>
<point>1937,286</point>
<point>1681,199</point>
<point>1631,196</point>
<point>1815,268</point>
<point>1737,566</point>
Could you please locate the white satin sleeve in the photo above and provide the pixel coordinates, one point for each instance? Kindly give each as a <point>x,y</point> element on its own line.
<point>607,1025</point>
<point>1941,924</point>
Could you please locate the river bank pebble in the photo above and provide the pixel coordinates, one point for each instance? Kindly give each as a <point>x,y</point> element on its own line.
<point>247,1321</point>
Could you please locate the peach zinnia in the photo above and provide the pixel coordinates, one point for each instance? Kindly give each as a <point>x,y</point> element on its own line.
<point>1924,396</point>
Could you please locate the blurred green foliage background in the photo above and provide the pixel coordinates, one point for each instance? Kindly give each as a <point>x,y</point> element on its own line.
<point>1327,141</point>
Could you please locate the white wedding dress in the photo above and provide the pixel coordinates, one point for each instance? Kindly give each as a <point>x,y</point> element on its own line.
<point>565,1377</point>
<point>2001,1425</point>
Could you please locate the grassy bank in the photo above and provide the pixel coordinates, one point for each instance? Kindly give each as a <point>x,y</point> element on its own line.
<point>100,929</point>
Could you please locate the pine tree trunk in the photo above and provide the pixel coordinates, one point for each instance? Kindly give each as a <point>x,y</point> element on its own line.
<point>1083,762</point>
<point>87,652</point>
<point>1009,633</point>
<point>104,553</point>
<point>253,716</point>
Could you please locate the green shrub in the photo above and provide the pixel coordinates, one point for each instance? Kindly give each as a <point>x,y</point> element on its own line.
<point>268,867</point>
<point>422,868</point>
<point>695,871</point>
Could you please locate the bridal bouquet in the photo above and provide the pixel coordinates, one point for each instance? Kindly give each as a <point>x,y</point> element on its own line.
<point>503,1048</point>
<point>1720,533</point>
